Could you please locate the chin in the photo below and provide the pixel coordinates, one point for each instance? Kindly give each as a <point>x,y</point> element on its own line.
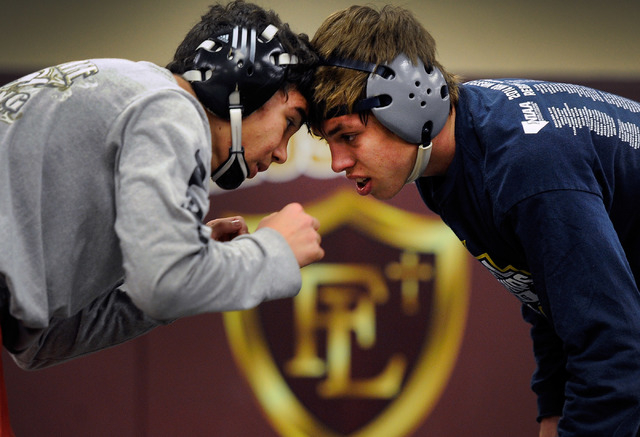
<point>383,196</point>
<point>387,194</point>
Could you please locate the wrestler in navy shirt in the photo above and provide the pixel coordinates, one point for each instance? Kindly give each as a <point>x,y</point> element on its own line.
<point>543,191</point>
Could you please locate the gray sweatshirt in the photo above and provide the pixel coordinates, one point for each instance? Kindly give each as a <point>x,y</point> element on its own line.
<point>104,168</point>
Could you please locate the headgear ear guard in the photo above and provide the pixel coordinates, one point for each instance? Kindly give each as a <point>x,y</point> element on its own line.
<point>234,73</point>
<point>412,101</point>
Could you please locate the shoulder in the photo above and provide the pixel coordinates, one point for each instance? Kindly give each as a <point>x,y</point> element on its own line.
<point>508,124</point>
<point>514,119</point>
<point>134,86</point>
<point>507,105</point>
<point>139,75</point>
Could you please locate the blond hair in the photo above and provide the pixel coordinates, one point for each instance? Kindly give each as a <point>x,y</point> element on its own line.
<point>364,34</point>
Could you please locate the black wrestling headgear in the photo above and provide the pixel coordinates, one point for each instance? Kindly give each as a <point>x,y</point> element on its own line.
<point>234,73</point>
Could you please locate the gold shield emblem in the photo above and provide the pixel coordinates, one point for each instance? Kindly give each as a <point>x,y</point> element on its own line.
<point>368,345</point>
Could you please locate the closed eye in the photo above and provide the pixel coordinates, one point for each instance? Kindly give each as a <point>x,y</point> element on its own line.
<point>290,123</point>
<point>298,120</point>
<point>348,138</point>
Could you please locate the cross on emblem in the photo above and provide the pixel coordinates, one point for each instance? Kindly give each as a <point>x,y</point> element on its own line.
<point>410,271</point>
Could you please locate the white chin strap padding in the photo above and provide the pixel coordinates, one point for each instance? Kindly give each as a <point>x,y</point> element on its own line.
<point>235,116</point>
<point>422,159</point>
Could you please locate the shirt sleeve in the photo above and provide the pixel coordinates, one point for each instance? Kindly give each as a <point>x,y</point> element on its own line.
<point>591,300</point>
<point>108,321</point>
<point>173,268</point>
<point>550,377</point>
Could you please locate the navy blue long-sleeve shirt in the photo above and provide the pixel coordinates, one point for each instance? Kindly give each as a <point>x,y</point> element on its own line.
<point>543,190</point>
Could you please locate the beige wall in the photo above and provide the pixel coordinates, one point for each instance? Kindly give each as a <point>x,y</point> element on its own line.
<point>576,39</point>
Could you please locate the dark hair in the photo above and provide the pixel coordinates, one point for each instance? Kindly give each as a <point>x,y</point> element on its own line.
<point>240,13</point>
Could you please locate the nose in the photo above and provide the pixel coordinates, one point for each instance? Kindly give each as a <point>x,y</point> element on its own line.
<point>341,159</point>
<point>279,155</point>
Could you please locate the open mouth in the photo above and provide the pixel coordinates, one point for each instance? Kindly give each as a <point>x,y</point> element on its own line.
<point>363,186</point>
<point>362,182</point>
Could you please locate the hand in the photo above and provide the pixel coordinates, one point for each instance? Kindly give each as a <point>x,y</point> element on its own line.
<point>549,426</point>
<point>226,229</point>
<point>299,229</point>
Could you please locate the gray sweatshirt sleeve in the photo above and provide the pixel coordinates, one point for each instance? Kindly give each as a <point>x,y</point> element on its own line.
<point>108,321</point>
<point>113,318</point>
<point>173,268</point>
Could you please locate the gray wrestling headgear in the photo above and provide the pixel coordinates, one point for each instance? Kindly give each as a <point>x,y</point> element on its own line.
<point>234,73</point>
<point>412,101</point>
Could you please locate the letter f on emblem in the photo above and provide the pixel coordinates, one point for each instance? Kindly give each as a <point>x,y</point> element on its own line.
<point>341,299</point>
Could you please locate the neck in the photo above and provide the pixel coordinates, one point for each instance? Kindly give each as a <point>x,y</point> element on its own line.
<point>444,148</point>
<point>218,127</point>
<point>182,83</point>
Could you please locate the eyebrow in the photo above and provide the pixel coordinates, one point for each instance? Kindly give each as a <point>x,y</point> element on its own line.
<point>335,130</point>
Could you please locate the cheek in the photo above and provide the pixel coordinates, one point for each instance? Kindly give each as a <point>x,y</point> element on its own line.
<point>260,144</point>
<point>397,161</point>
<point>388,159</point>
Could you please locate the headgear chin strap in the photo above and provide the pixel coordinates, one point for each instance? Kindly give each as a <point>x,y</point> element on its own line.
<point>422,160</point>
<point>234,73</point>
<point>231,173</point>
<point>412,101</point>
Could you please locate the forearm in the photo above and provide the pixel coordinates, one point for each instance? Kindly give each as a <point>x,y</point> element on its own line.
<point>231,276</point>
<point>550,377</point>
<point>549,426</point>
<point>591,299</point>
<point>108,321</point>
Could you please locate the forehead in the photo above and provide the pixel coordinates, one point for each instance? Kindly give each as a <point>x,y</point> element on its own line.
<point>296,100</point>
<point>336,125</point>
<point>285,103</point>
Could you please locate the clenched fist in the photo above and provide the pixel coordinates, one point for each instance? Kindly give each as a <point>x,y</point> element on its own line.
<point>299,229</point>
